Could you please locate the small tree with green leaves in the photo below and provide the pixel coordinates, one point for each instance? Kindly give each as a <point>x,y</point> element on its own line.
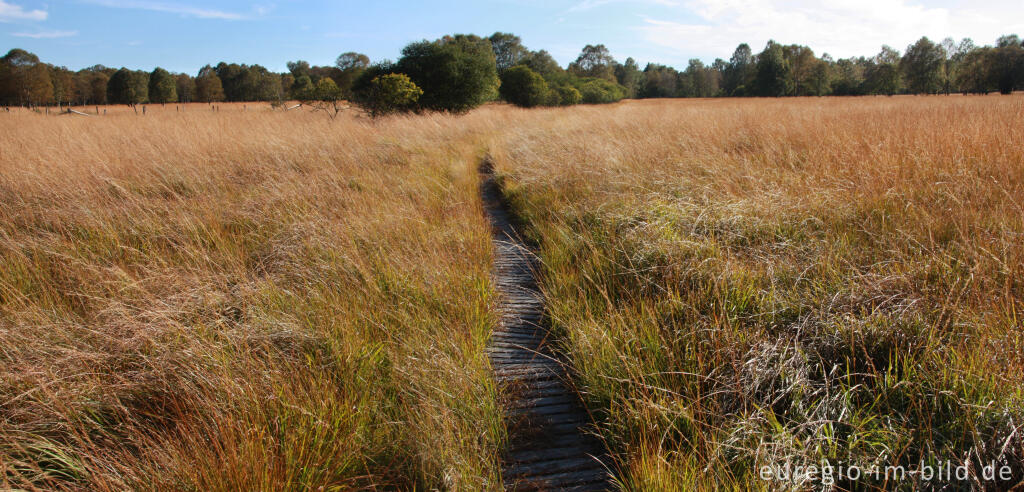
<point>325,96</point>
<point>391,93</point>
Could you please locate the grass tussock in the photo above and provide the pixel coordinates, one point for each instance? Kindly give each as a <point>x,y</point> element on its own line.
<point>751,283</point>
<point>243,301</point>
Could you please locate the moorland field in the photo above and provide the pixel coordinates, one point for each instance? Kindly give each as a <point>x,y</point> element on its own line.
<point>272,300</point>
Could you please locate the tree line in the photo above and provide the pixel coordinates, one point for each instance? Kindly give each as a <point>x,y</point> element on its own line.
<point>459,72</point>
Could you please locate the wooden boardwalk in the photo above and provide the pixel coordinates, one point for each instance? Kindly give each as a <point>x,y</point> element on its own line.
<point>549,448</point>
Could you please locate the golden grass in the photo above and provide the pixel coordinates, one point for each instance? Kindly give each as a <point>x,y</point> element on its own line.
<point>742,283</point>
<point>243,301</point>
<point>272,300</point>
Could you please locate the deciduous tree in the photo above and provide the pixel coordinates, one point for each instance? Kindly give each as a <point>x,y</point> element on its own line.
<point>882,76</point>
<point>508,50</point>
<point>628,75</point>
<point>922,66</point>
<point>350,65</point>
<point>209,87</point>
<point>185,85</point>
<point>456,73</point>
<point>739,72</point>
<point>774,77</point>
<point>163,88</point>
<point>543,63</point>
<point>594,61</point>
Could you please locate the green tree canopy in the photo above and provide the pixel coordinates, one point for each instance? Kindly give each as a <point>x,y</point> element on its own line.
<point>569,96</point>
<point>774,77</point>
<point>523,87</point>
<point>1006,64</point>
<point>456,73</point>
<point>594,61</point>
<point>628,75</point>
<point>350,66</point>
<point>543,63</point>
<point>659,81</point>
<point>508,50</point>
<point>600,91</point>
<point>38,84</point>
<point>186,87</point>
<point>882,75</point>
<point>16,77</point>
<point>389,93</point>
<point>739,71</point>
<point>922,67</point>
<point>303,88</point>
<point>327,90</point>
<point>128,87</point>
<point>163,88</point>
<point>209,87</point>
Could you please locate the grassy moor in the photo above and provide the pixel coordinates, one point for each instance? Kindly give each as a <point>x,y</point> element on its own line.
<point>261,299</point>
<point>243,301</point>
<point>741,284</point>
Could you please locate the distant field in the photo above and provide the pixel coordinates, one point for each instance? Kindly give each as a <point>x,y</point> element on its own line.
<point>270,300</point>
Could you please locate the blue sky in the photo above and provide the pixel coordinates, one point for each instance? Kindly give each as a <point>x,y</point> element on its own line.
<point>183,35</point>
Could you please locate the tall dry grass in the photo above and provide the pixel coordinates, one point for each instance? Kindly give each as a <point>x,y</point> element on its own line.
<point>271,300</point>
<point>741,283</point>
<point>243,301</point>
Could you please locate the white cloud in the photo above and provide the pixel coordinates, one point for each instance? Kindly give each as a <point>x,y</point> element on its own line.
<point>45,34</point>
<point>841,28</point>
<point>170,8</point>
<point>10,12</point>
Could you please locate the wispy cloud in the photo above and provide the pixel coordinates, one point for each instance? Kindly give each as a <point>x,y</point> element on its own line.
<point>170,8</point>
<point>10,12</point>
<point>838,27</point>
<point>45,34</point>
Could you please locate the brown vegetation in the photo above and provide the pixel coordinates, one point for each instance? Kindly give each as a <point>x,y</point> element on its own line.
<point>746,283</point>
<point>244,301</point>
<point>275,300</point>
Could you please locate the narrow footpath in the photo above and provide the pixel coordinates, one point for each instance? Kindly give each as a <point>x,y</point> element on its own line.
<point>549,448</point>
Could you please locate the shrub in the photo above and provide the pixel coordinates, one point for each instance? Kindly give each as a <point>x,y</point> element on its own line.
<point>391,93</point>
<point>598,91</point>
<point>327,90</point>
<point>524,87</point>
<point>569,96</point>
